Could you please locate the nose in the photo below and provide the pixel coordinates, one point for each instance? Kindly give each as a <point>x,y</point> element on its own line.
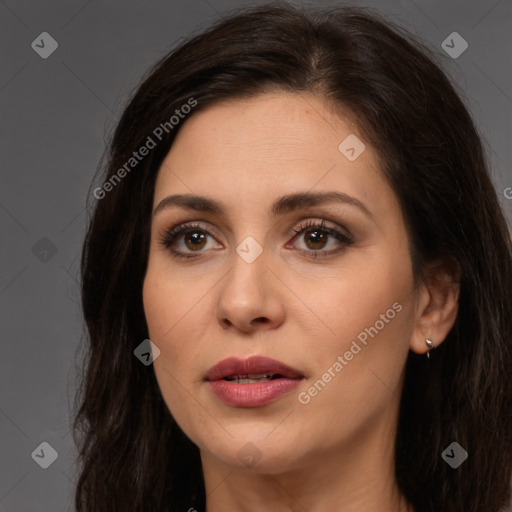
<point>249,297</point>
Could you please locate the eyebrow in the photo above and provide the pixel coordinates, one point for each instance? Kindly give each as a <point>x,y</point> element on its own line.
<point>281,206</point>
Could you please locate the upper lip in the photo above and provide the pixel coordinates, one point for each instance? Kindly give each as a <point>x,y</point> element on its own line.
<point>234,366</point>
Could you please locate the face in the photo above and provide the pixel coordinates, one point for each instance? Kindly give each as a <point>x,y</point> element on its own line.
<point>270,240</point>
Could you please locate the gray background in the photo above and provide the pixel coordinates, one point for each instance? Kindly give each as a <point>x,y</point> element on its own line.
<point>55,116</point>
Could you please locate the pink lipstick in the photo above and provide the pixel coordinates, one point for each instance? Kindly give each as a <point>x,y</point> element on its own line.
<point>252,382</point>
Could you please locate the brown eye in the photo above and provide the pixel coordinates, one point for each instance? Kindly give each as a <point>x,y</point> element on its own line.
<point>315,239</point>
<point>188,241</point>
<point>195,240</point>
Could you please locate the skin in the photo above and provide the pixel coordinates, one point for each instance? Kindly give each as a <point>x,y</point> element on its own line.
<point>335,452</point>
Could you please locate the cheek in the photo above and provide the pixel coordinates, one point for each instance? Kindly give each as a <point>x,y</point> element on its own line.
<point>167,306</point>
<point>353,298</point>
<point>171,307</point>
<point>370,316</point>
<point>162,311</point>
<point>169,300</point>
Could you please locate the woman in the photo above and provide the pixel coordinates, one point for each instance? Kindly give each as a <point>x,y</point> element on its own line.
<point>297,213</point>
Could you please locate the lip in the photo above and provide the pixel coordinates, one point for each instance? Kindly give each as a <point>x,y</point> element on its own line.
<point>255,394</point>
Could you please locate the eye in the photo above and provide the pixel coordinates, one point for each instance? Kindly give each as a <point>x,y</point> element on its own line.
<point>319,240</point>
<point>188,240</point>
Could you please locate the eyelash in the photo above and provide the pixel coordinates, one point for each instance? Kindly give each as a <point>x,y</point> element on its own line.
<point>171,236</point>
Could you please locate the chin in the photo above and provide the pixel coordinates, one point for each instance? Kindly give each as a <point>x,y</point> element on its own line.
<point>254,450</point>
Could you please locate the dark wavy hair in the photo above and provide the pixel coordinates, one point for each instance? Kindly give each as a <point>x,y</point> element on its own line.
<point>132,454</point>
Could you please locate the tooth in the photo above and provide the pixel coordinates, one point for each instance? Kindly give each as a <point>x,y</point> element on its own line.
<point>249,378</point>
<point>249,381</point>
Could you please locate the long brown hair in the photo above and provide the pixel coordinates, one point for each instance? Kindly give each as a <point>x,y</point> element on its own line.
<point>133,455</point>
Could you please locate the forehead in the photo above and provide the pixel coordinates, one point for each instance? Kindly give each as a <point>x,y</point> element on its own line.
<point>242,151</point>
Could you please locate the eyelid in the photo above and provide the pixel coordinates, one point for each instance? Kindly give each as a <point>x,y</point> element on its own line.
<point>184,227</point>
<point>320,224</point>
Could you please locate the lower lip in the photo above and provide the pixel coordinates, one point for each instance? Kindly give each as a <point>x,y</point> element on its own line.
<point>252,395</point>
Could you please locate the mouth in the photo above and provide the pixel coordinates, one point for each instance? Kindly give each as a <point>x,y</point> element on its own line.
<point>252,382</point>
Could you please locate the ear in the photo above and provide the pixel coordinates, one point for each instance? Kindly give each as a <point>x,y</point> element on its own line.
<point>437,305</point>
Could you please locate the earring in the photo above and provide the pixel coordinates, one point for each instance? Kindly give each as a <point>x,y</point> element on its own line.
<point>430,346</point>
